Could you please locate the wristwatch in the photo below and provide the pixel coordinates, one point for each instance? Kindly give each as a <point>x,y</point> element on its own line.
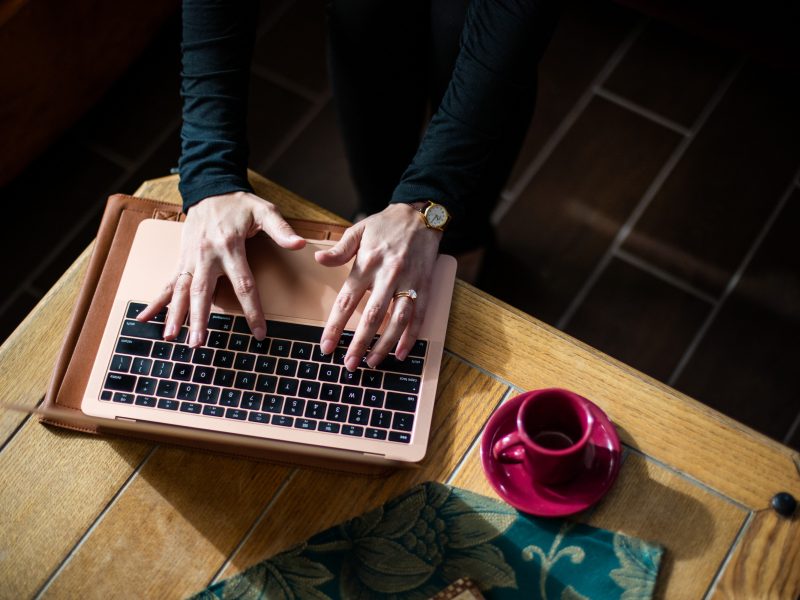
<point>435,216</point>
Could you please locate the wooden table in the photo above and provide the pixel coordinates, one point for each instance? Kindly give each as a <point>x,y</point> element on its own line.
<point>88,517</point>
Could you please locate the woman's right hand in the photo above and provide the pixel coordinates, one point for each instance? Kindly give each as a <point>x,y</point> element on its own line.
<point>212,245</point>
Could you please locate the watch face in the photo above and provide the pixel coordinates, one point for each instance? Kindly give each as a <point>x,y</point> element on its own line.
<point>436,215</point>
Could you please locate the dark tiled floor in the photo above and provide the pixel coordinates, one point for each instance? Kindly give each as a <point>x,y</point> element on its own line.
<point>627,220</point>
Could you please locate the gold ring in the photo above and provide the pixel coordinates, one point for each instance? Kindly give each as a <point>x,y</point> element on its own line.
<point>412,294</point>
<point>184,273</point>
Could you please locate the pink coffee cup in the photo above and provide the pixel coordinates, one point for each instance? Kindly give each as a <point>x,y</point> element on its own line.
<point>551,440</point>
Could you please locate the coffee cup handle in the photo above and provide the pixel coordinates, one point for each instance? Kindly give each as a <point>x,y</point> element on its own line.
<point>509,449</point>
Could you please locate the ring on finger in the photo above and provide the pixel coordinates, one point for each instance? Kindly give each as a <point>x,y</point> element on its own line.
<point>409,293</point>
<point>184,273</point>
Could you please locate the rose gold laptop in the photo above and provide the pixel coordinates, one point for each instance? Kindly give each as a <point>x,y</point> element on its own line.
<point>280,393</point>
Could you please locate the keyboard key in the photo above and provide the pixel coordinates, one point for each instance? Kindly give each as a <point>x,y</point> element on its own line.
<point>412,365</point>
<point>350,378</point>
<point>123,398</point>
<point>381,418</point>
<point>106,395</point>
<point>329,373</point>
<point>162,350</point>
<point>371,379</point>
<point>239,342</point>
<point>315,410</point>
<point>353,430</point>
<point>167,389</point>
<point>161,368</point>
<point>346,338</point>
<point>308,370</point>
<point>331,392</point>
<point>398,436</point>
<point>220,322</point>
<point>120,383</point>
<point>258,417</point>
<point>235,413</point>
<point>404,402</point>
<point>120,363</point>
<point>218,339</point>
<point>148,401</point>
<point>203,374</point>
<point>359,415</point>
<point>337,412</point>
<point>208,395</point>
<point>375,434</point>
<point>245,381</point>
<point>294,331</point>
<point>230,397</point>
<point>188,391</point>
<point>191,407</point>
<point>182,336</point>
<point>203,356</point>
<point>181,353</point>
<point>280,347</point>
<point>288,387</point>
<point>282,420</point>
<point>240,325</point>
<point>146,386</point>
<point>272,403</point>
<point>244,362</point>
<point>134,308</point>
<point>329,427</point>
<point>338,355</point>
<point>305,424</point>
<point>168,404</point>
<point>373,398</point>
<point>287,367</point>
<point>401,383</point>
<point>182,372</point>
<point>309,389</point>
<point>150,331</point>
<point>136,347</point>
<point>265,364</point>
<point>213,411</point>
<point>259,346</point>
<point>352,395</point>
<point>141,366</point>
<point>403,421</point>
<point>266,384</point>
<point>224,377</point>
<point>318,356</point>
<point>294,407</point>
<point>223,358</point>
<point>301,351</point>
<point>419,348</point>
<point>252,401</point>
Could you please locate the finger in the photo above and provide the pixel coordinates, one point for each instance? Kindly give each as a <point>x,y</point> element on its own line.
<point>163,298</point>
<point>409,336</point>
<point>344,250</point>
<point>203,284</point>
<point>371,319</point>
<point>244,285</point>
<point>178,306</point>
<point>346,301</point>
<point>274,225</point>
<point>402,312</point>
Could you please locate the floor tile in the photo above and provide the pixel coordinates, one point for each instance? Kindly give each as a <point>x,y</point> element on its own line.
<point>315,166</point>
<point>588,33</point>
<point>671,73</point>
<point>726,184</point>
<point>746,365</point>
<point>15,313</point>
<point>294,47</point>
<point>47,200</point>
<point>144,101</point>
<point>564,221</point>
<point>639,319</point>
<point>273,113</point>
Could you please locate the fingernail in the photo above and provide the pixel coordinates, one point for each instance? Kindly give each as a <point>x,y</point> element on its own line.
<point>194,339</point>
<point>260,333</point>
<point>169,330</point>
<point>327,346</point>
<point>372,362</point>
<point>295,238</point>
<point>401,354</point>
<point>351,362</point>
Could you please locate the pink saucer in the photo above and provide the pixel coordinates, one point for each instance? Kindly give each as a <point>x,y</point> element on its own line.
<point>515,485</point>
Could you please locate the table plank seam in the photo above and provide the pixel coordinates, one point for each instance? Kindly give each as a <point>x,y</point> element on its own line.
<point>729,555</point>
<point>63,564</point>
<point>270,503</point>
<point>484,371</point>
<point>17,429</point>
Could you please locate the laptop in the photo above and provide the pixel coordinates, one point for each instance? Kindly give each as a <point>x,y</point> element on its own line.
<point>280,393</point>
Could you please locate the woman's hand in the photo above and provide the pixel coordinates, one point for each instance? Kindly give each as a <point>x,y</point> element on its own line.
<point>212,245</point>
<point>394,252</point>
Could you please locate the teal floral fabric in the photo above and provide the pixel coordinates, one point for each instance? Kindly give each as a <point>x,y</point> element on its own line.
<point>415,545</point>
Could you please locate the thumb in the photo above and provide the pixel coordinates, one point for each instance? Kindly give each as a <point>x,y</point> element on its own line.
<point>343,251</point>
<point>273,224</point>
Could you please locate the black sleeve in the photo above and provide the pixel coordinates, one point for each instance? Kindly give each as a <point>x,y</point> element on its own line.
<point>501,44</point>
<point>218,39</point>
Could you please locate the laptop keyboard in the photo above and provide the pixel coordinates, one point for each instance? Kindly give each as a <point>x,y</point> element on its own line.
<point>283,380</point>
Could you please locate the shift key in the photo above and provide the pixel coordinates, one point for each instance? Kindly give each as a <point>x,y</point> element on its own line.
<point>401,383</point>
<point>120,382</point>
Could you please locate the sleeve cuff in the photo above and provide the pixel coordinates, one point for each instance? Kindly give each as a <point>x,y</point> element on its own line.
<point>193,194</point>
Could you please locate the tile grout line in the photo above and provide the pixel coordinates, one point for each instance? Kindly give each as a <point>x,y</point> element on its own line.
<point>90,214</point>
<point>663,275</point>
<point>792,429</point>
<point>94,525</point>
<point>510,195</point>
<point>643,112</point>
<point>248,534</point>
<point>271,76</point>
<point>646,199</point>
<point>729,555</point>
<point>732,283</point>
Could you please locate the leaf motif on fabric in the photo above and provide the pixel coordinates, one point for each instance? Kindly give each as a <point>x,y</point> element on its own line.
<point>400,516</point>
<point>570,593</point>
<point>464,501</point>
<point>362,525</point>
<point>302,571</point>
<point>638,568</point>
<point>248,585</point>
<point>484,564</point>
<point>437,493</point>
<point>471,529</point>
<point>387,556</point>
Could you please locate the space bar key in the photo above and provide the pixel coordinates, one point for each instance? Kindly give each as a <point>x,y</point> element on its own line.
<point>294,331</point>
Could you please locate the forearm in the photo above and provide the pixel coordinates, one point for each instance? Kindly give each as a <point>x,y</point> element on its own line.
<point>217,45</point>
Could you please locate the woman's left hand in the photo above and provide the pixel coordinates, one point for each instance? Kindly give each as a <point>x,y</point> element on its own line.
<point>394,252</point>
